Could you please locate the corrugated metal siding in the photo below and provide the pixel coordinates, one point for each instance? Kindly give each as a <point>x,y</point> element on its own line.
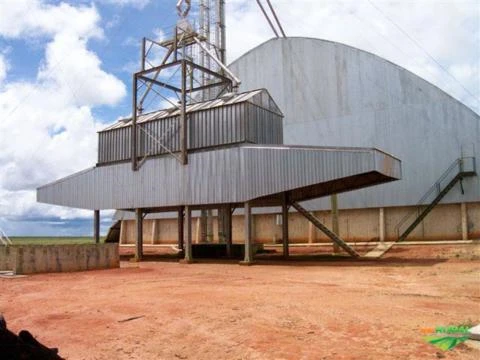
<point>229,175</point>
<point>215,126</point>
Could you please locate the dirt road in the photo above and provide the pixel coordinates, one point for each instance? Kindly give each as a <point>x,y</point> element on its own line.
<point>326,309</point>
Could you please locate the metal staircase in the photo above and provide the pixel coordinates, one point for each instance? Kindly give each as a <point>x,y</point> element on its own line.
<point>323,228</point>
<point>461,168</point>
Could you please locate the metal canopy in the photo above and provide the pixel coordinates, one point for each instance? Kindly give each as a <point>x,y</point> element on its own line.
<point>257,173</point>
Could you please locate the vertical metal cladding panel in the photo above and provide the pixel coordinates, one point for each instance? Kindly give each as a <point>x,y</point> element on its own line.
<point>224,175</point>
<point>234,123</point>
<point>273,170</point>
<point>100,149</point>
<point>387,165</point>
<point>265,127</point>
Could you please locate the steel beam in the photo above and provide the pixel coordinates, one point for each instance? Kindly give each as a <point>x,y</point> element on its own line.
<point>159,83</point>
<point>158,68</point>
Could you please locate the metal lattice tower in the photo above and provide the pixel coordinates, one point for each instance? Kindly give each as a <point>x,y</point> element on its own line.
<point>185,68</point>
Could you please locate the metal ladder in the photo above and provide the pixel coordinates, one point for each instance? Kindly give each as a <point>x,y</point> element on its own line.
<point>459,169</point>
<point>4,239</point>
<point>334,237</point>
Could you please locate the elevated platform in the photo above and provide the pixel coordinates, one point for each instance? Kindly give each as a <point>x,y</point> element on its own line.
<point>259,174</point>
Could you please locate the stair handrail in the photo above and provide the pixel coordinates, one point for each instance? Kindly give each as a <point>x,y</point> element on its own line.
<point>436,187</point>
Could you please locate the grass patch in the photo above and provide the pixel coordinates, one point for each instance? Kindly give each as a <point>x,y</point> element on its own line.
<point>40,240</point>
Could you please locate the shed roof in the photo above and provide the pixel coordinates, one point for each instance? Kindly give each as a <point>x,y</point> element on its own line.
<point>259,97</point>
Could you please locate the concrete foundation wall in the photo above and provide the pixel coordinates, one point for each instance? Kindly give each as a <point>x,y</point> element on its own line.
<point>58,258</point>
<point>355,225</point>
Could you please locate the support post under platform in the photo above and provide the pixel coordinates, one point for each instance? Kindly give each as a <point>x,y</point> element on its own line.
<point>285,241</point>
<point>180,228</point>
<point>248,259</point>
<point>139,235</point>
<point>188,236</point>
<point>96,226</point>
<point>228,230</point>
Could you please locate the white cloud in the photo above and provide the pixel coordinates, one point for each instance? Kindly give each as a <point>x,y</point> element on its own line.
<point>33,18</point>
<point>139,4</point>
<point>79,74</point>
<point>47,129</point>
<point>159,35</point>
<point>3,68</point>
<point>448,30</point>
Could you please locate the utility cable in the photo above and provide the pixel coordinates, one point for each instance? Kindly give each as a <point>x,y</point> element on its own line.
<point>276,18</point>
<point>268,19</point>
<point>425,51</point>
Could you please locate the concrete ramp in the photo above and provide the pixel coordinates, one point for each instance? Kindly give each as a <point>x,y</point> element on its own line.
<point>378,252</point>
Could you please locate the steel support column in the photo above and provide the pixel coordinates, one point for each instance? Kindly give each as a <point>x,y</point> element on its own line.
<point>134,124</point>
<point>188,235</point>
<point>464,220</point>
<point>96,226</point>
<point>381,224</point>
<point>180,228</point>
<point>285,225</point>
<point>228,230</point>
<point>139,235</point>
<point>335,227</point>
<point>248,259</point>
<point>183,116</point>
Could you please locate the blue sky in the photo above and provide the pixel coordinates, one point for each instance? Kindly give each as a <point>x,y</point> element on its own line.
<point>65,72</point>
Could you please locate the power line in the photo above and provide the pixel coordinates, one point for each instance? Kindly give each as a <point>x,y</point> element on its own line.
<point>268,19</point>
<point>424,50</point>
<point>276,18</point>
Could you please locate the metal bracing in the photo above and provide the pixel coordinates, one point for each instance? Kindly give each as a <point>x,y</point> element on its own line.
<point>334,237</point>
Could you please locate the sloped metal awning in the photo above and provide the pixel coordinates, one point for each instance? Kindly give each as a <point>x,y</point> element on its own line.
<point>256,173</point>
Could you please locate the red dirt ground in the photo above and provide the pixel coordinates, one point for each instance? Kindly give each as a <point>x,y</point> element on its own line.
<point>300,309</point>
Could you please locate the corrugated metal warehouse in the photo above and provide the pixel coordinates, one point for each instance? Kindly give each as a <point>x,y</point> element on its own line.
<point>335,95</point>
<point>235,159</point>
